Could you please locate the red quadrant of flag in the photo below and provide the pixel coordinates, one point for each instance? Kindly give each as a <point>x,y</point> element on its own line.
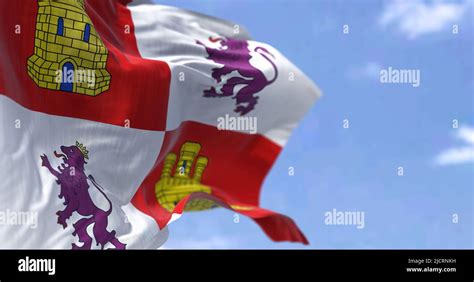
<point>139,88</point>
<point>237,165</point>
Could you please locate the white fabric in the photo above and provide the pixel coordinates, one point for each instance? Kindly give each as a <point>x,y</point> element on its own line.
<point>169,34</point>
<point>119,159</point>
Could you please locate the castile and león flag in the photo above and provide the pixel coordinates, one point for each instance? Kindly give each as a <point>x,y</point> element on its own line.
<point>109,114</point>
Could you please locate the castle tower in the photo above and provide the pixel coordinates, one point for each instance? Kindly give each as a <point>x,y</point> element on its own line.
<point>189,151</point>
<point>169,190</point>
<point>65,41</point>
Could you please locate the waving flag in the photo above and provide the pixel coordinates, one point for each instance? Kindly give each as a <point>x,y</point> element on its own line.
<point>117,118</point>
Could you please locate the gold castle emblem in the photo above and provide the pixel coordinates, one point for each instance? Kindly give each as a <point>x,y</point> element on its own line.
<point>66,41</point>
<point>170,189</point>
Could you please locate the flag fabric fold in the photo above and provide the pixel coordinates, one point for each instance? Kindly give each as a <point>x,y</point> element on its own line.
<point>118,118</point>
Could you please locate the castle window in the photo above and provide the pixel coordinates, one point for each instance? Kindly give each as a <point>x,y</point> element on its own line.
<point>60,26</point>
<point>87,32</point>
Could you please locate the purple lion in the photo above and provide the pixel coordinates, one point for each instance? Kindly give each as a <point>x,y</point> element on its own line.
<point>74,190</point>
<point>234,55</point>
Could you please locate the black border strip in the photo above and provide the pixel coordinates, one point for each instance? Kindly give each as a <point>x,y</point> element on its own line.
<point>289,265</point>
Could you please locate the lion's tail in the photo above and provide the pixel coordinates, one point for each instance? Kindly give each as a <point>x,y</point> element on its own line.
<point>101,190</point>
<point>264,52</point>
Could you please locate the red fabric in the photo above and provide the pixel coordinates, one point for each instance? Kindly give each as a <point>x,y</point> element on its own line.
<point>238,164</point>
<point>139,87</point>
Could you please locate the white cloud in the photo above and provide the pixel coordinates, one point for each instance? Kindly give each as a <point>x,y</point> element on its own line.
<point>467,134</point>
<point>462,154</point>
<point>417,17</point>
<point>370,70</point>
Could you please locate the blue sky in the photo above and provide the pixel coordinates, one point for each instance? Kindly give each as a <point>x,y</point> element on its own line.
<point>390,126</point>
